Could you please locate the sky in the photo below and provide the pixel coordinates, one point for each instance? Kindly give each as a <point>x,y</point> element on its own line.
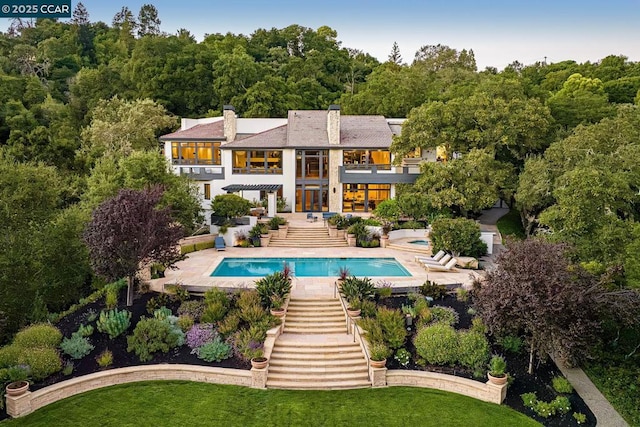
<point>499,32</point>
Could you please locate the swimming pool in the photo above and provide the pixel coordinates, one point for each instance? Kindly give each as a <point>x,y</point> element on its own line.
<point>309,267</point>
<point>420,242</point>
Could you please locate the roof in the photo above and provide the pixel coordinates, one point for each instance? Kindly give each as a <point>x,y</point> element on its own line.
<point>204,132</point>
<point>274,138</point>
<point>234,188</point>
<point>365,132</point>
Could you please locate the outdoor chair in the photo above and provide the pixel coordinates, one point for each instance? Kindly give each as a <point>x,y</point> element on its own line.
<point>437,257</point>
<point>450,266</point>
<point>219,244</point>
<point>311,217</point>
<point>443,261</point>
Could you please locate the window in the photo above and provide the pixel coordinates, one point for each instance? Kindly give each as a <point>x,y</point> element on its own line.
<point>207,191</point>
<point>257,161</point>
<point>381,158</point>
<point>195,153</point>
<point>364,197</point>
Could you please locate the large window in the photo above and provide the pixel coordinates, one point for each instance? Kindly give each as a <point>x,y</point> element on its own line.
<point>364,197</point>
<point>257,161</point>
<point>195,153</point>
<point>366,158</point>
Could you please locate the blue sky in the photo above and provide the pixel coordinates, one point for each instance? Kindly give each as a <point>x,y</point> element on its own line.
<point>498,31</point>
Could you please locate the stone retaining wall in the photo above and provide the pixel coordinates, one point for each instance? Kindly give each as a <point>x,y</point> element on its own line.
<point>18,406</point>
<point>478,390</point>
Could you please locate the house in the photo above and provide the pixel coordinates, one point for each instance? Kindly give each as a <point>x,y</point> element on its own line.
<point>319,161</point>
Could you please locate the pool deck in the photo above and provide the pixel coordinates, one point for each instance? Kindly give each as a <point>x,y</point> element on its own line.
<point>195,270</point>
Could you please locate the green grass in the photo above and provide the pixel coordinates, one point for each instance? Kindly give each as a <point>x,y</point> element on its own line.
<point>511,225</point>
<point>176,403</point>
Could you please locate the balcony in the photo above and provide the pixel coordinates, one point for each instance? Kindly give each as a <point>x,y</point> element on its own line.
<point>378,174</point>
<point>203,173</point>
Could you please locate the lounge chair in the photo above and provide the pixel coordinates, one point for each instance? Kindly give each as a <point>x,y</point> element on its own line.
<point>219,244</point>
<point>443,261</point>
<point>436,257</point>
<point>444,268</point>
<point>311,218</point>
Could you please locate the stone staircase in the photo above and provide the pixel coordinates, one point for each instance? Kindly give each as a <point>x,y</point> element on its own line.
<point>419,249</point>
<point>313,236</point>
<point>315,352</point>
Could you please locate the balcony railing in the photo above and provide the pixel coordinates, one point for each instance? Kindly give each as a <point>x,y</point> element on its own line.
<point>195,161</point>
<point>203,173</point>
<point>378,174</point>
<point>366,166</point>
<point>257,171</point>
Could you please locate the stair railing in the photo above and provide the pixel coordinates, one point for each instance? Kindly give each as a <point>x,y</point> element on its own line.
<point>344,307</point>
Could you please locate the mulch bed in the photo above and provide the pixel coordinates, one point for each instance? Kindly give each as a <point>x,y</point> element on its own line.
<point>540,381</point>
<point>517,366</point>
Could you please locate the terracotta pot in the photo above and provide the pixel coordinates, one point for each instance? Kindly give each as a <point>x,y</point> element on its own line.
<point>259,362</point>
<point>279,312</point>
<point>497,380</point>
<point>17,388</point>
<point>353,313</point>
<point>378,363</point>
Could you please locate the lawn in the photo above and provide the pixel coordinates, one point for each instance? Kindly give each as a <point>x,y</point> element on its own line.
<point>511,225</point>
<point>172,403</point>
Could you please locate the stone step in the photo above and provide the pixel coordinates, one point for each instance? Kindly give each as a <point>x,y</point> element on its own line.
<point>314,303</point>
<point>292,351</point>
<point>302,324</point>
<point>325,385</point>
<point>347,362</point>
<point>304,370</point>
<point>319,377</point>
<point>316,330</point>
<point>338,316</point>
<point>305,245</point>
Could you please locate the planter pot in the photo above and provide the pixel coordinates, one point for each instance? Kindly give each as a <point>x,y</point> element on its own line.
<point>279,312</point>
<point>264,240</point>
<point>259,362</point>
<point>351,240</point>
<point>282,231</point>
<point>274,233</point>
<point>341,234</point>
<point>497,380</point>
<point>333,231</point>
<point>378,363</point>
<point>384,241</point>
<point>17,388</point>
<point>352,312</point>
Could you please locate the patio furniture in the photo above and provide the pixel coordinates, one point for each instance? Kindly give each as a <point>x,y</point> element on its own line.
<point>219,244</point>
<point>450,266</point>
<point>311,217</point>
<point>443,261</point>
<point>437,257</point>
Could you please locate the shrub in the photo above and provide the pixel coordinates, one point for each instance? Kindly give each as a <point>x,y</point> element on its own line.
<point>273,285</point>
<point>229,325</point>
<point>414,225</point>
<point>445,315</point>
<point>177,291</point>
<point>357,289</point>
<point>384,290</point>
<point>462,294</point>
<point>185,322</point>
<point>204,245</point>
<point>85,330</point>
<point>38,335</point>
<point>433,290</point>
<point>372,329</point>
<point>368,308</point>
<point>114,322</point>
<point>276,222</point>
<point>403,356</point>
<point>193,308</point>
<point>473,351</point>
<point>393,329</point>
<point>213,312</point>
<point>152,335</point>
<point>437,344</point>
<point>162,313</point>
<point>562,385</point>
<point>162,300</point>
<point>544,409</point>
<point>580,417</point>
<point>378,351</point>
<point>477,325</point>
<point>9,355</point>
<point>105,359</point>
<point>15,373</point>
<point>77,346</point>
<point>68,368</point>
<point>511,343</point>
<point>497,366</point>
<point>214,351</point>
<point>252,313</point>
<point>529,399</point>
<point>562,404</point>
<point>111,298</point>
<point>187,249</point>
<point>423,310</point>
<point>249,343</point>
<point>43,361</point>
<point>459,236</point>
<point>247,298</point>
<point>199,335</point>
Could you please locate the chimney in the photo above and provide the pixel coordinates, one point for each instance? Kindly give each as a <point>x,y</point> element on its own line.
<point>333,124</point>
<point>230,122</point>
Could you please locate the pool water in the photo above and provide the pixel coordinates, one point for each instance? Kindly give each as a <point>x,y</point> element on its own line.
<point>310,267</point>
<point>420,242</point>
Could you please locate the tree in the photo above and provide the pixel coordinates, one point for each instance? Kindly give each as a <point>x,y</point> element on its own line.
<point>118,127</point>
<point>459,236</point>
<point>148,21</point>
<point>80,15</point>
<point>127,232</point>
<point>230,206</point>
<point>394,56</point>
<point>535,292</point>
<point>387,210</point>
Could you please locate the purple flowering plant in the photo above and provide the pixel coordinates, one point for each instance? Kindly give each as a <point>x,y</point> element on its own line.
<point>199,335</point>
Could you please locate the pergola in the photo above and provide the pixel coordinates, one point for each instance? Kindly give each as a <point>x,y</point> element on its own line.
<point>269,188</point>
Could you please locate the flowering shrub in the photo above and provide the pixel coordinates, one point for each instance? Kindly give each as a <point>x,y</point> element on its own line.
<point>199,335</point>
<point>403,356</point>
